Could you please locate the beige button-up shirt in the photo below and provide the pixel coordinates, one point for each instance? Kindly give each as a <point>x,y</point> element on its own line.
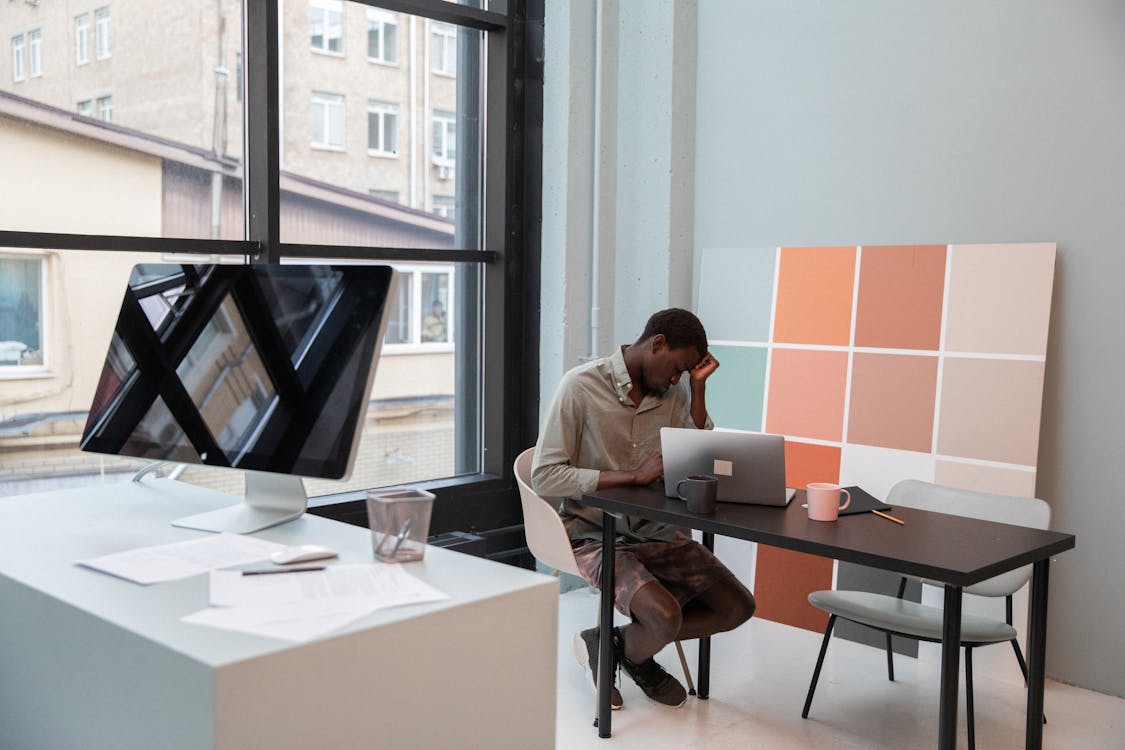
<point>593,426</point>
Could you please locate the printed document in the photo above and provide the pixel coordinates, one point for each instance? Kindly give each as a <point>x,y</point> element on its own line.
<point>168,562</point>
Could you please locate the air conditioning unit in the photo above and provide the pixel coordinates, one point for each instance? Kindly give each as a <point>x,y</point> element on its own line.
<point>444,171</point>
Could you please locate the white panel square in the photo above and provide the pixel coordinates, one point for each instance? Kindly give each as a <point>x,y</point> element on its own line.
<point>878,469</point>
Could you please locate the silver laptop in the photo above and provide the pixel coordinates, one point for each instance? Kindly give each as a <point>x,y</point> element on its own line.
<point>750,465</point>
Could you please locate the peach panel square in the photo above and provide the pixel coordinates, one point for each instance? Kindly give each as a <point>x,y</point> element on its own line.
<point>900,296</point>
<point>806,393</point>
<point>990,410</point>
<point>982,478</point>
<point>815,286</point>
<point>892,401</point>
<point>1000,298</point>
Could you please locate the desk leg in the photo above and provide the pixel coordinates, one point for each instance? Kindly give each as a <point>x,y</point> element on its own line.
<point>1036,654</point>
<point>703,678</point>
<point>950,668</point>
<point>605,627</point>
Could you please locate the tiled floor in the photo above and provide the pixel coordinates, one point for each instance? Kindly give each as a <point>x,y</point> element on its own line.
<point>759,676</point>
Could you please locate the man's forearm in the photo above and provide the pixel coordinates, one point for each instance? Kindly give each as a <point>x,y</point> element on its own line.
<point>699,407</point>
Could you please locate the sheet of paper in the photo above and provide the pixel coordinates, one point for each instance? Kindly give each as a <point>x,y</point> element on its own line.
<point>379,584</point>
<point>298,622</point>
<point>168,562</point>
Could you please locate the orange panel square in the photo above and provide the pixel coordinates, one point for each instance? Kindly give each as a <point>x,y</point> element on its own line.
<point>806,462</point>
<point>815,286</point>
<point>900,297</point>
<point>783,580</point>
<point>806,393</point>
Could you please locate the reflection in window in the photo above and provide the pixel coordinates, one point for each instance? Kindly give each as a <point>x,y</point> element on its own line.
<point>82,38</point>
<point>443,50</point>
<point>327,120</point>
<point>326,25</point>
<point>21,311</point>
<point>382,128</point>
<point>382,36</point>
<point>101,33</point>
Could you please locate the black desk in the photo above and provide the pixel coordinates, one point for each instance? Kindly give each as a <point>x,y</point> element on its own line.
<point>955,550</point>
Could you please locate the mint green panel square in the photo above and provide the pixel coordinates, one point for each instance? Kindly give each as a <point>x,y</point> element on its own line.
<point>735,295</point>
<point>736,391</point>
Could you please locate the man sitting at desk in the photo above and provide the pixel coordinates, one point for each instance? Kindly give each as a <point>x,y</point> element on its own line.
<point>603,430</point>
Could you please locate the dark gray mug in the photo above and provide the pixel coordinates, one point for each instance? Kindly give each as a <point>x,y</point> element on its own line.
<point>699,492</point>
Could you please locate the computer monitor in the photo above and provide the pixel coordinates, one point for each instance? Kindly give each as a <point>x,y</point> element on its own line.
<point>263,368</point>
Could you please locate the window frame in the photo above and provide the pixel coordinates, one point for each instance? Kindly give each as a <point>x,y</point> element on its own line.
<point>102,34</point>
<point>82,38</point>
<point>504,266</point>
<point>35,52</point>
<point>418,308</point>
<point>19,58</point>
<point>383,18</point>
<point>383,110</point>
<point>331,102</point>
<point>448,122</point>
<point>20,372</point>
<point>448,36</point>
<point>327,8</point>
<point>104,107</point>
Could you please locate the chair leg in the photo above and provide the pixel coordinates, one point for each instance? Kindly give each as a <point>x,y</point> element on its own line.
<point>687,671</point>
<point>890,660</point>
<point>819,663</point>
<point>969,695</point>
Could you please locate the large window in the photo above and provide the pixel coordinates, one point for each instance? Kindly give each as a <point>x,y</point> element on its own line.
<point>224,153</point>
<point>35,52</point>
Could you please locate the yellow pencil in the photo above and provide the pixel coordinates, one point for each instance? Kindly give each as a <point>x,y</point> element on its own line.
<point>889,518</point>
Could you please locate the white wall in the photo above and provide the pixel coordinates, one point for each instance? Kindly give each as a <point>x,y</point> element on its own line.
<point>881,122</point>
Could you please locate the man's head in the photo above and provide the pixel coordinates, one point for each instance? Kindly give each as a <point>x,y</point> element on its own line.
<point>673,342</point>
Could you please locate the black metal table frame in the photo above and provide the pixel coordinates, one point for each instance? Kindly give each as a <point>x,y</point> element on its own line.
<point>951,625</point>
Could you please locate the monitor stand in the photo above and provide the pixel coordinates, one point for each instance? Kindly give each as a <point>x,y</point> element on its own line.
<point>271,499</point>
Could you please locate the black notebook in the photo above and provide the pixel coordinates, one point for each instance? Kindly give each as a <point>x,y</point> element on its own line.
<point>863,502</point>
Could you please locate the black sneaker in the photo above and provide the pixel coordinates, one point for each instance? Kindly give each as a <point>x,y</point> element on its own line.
<point>657,684</point>
<point>586,652</point>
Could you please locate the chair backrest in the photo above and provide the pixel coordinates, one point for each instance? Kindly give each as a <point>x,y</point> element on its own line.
<point>546,536</point>
<point>1018,511</point>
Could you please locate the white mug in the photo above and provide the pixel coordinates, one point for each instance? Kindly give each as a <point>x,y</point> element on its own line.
<point>824,501</point>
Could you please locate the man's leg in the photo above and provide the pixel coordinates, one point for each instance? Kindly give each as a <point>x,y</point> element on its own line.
<point>723,607</point>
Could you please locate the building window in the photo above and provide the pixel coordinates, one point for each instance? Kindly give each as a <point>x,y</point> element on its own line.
<point>327,123</point>
<point>421,319</point>
<point>101,33</point>
<point>35,52</point>
<point>445,138</point>
<point>86,108</point>
<point>443,49</point>
<point>105,108</point>
<point>382,129</point>
<point>382,36</point>
<point>21,311</point>
<point>326,26</point>
<point>82,38</point>
<point>18,72</point>
<point>444,206</point>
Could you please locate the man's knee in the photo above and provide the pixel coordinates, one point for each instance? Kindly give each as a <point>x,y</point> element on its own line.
<point>740,606</point>
<point>658,611</point>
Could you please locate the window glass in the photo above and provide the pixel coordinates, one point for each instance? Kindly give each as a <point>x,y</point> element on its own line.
<point>173,95</point>
<point>327,124</point>
<point>326,25</point>
<point>21,311</point>
<point>382,36</point>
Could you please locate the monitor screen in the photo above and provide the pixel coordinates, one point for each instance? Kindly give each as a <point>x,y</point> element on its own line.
<point>262,368</point>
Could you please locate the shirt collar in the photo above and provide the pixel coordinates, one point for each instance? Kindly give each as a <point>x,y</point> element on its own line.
<point>622,383</point>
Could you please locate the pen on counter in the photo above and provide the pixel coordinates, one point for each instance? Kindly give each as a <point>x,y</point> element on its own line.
<point>274,571</point>
<point>889,518</point>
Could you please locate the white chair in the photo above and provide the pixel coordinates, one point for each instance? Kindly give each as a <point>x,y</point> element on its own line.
<point>547,538</point>
<point>895,616</point>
